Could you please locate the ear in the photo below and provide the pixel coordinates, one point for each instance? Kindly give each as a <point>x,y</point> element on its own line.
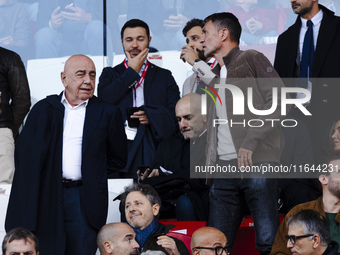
<point>155,209</point>
<point>149,40</point>
<point>323,179</point>
<point>224,33</point>
<point>108,246</point>
<point>204,117</point>
<point>316,241</point>
<point>63,78</point>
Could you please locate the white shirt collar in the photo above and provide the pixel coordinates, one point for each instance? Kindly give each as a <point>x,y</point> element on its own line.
<point>65,102</point>
<point>316,19</point>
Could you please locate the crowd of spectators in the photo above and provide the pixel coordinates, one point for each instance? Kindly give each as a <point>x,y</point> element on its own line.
<point>49,29</point>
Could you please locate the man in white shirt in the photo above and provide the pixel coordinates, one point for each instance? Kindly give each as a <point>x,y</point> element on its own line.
<point>68,146</point>
<point>236,145</point>
<point>193,54</point>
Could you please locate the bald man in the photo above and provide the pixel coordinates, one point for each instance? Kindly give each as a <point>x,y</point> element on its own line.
<point>208,239</point>
<point>117,239</point>
<point>175,157</point>
<point>62,157</point>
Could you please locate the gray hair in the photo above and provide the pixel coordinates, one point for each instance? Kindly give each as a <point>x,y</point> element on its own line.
<point>148,191</point>
<point>313,223</point>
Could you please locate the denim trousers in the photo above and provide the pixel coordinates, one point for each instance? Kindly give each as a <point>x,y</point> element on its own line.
<point>230,197</point>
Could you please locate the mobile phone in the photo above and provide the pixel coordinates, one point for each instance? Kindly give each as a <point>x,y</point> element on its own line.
<point>142,168</point>
<point>68,10</point>
<point>133,123</point>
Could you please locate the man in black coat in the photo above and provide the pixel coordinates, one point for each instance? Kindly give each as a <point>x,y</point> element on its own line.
<point>145,93</point>
<point>68,145</point>
<point>324,78</point>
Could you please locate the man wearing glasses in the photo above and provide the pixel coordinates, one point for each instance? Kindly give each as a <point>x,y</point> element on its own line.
<point>328,205</point>
<point>209,240</point>
<point>308,233</point>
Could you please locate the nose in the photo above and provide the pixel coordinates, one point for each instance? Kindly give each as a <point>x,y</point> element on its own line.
<point>135,244</point>
<point>183,123</point>
<point>134,43</point>
<point>334,135</point>
<point>87,79</point>
<point>289,244</point>
<point>202,38</point>
<point>131,208</point>
<point>191,44</point>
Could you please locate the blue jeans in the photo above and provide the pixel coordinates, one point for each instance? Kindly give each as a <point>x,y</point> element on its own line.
<point>229,197</point>
<point>81,237</point>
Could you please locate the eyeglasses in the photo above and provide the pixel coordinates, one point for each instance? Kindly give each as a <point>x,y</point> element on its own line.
<point>218,249</point>
<point>293,239</point>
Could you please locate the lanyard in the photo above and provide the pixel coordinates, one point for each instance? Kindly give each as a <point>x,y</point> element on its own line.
<point>198,79</point>
<point>140,80</point>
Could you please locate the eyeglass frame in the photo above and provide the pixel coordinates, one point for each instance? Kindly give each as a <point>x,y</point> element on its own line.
<point>293,238</point>
<point>225,248</point>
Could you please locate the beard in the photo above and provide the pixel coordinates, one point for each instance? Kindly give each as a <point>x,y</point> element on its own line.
<point>334,188</point>
<point>201,55</point>
<point>303,10</point>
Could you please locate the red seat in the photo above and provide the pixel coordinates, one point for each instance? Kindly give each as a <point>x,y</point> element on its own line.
<point>185,227</point>
<point>244,241</point>
<point>184,238</point>
<point>184,230</point>
<point>245,237</point>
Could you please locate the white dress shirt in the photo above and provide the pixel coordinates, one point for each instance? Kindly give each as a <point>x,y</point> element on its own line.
<point>74,119</point>
<point>139,95</point>
<point>225,145</point>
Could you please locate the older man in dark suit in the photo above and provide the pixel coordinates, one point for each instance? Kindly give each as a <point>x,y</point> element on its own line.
<point>62,157</point>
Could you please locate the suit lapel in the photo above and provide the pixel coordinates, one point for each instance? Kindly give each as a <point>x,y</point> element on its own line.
<point>293,46</point>
<point>92,117</point>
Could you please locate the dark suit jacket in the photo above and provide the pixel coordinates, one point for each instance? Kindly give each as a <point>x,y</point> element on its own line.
<point>161,94</point>
<point>36,196</point>
<point>325,91</point>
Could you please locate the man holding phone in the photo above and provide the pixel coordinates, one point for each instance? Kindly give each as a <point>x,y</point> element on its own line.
<point>193,54</point>
<point>67,27</point>
<point>144,92</point>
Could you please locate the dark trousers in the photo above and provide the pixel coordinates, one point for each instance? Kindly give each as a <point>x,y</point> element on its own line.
<point>81,237</point>
<point>229,198</point>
